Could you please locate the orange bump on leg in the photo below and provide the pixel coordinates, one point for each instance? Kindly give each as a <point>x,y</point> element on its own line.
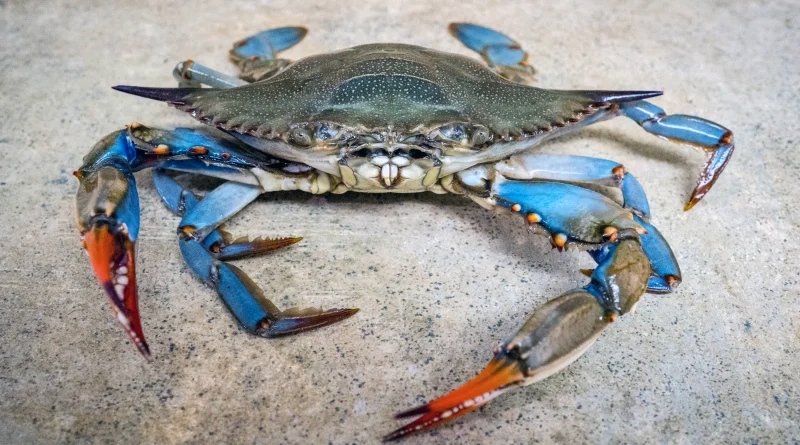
<point>618,171</point>
<point>610,233</point>
<point>516,208</point>
<point>198,150</point>
<point>559,239</point>
<point>161,150</point>
<point>533,218</point>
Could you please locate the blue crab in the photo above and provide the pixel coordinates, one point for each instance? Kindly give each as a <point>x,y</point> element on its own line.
<point>392,118</point>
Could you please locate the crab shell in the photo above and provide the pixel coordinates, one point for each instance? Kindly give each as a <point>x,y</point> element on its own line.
<point>345,113</point>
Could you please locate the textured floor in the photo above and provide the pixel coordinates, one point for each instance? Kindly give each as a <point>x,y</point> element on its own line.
<point>439,281</point>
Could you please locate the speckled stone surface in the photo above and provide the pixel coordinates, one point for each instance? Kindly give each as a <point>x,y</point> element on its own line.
<point>439,280</point>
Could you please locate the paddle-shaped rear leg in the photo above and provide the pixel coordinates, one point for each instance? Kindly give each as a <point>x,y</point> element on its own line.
<point>256,57</point>
<point>504,55</point>
<point>206,250</point>
<point>714,139</point>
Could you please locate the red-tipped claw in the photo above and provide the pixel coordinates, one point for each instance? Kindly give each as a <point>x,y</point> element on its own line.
<point>502,373</point>
<point>112,256</point>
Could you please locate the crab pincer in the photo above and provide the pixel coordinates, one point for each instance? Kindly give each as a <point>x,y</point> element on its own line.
<point>555,335</point>
<point>107,209</point>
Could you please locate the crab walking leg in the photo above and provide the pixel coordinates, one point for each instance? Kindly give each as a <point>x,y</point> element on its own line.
<point>254,311</point>
<point>500,52</point>
<point>554,336</point>
<point>714,139</point>
<point>107,206</point>
<point>560,331</point>
<point>605,177</point>
<point>191,74</point>
<point>256,55</point>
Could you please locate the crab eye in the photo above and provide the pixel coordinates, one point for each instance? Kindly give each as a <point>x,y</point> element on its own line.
<point>480,136</point>
<point>454,132</point>
<point>299,136</point>
<point>326,132</point>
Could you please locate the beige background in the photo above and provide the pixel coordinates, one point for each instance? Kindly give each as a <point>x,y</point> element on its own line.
<point>439,280</point>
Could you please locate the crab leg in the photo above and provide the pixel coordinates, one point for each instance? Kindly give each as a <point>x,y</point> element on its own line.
<point>598,174</point>
<point>714,139</point>
<point>191,74</point>
<point>107,210</point>
<point>204,248</point>
<point>557,333</point>
<point>256,56</point>
<point>603,176</point>
<point>554,336</point>
<point>500,52</point>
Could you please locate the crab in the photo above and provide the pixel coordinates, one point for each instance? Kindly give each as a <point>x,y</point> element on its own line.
<point>392,118</point>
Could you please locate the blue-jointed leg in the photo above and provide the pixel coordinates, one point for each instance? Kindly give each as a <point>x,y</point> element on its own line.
<point>579,170</point>
<point>499,51</point>
<point>256,56</point>
<point>267,44</point>
<point>206,255</point>
<point>107,210</point>
<point>603,176</point>
<point>561,330</point>
<point>508,59</point>
<point>714,139</point>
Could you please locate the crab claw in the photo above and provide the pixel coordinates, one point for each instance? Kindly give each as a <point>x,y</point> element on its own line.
<point>107,208</point>
<point>112,254</point>
<point>502,373</point>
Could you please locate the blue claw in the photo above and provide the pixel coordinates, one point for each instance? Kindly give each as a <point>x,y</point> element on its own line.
<point>568,212</point>
<point>267,44</point>
<point>577,169</point>
<point>715,139</point>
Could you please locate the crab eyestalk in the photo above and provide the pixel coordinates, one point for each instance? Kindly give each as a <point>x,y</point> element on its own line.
<point>107,210</point>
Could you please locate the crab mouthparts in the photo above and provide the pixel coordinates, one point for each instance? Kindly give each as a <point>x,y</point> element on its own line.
<point>387,168</point>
